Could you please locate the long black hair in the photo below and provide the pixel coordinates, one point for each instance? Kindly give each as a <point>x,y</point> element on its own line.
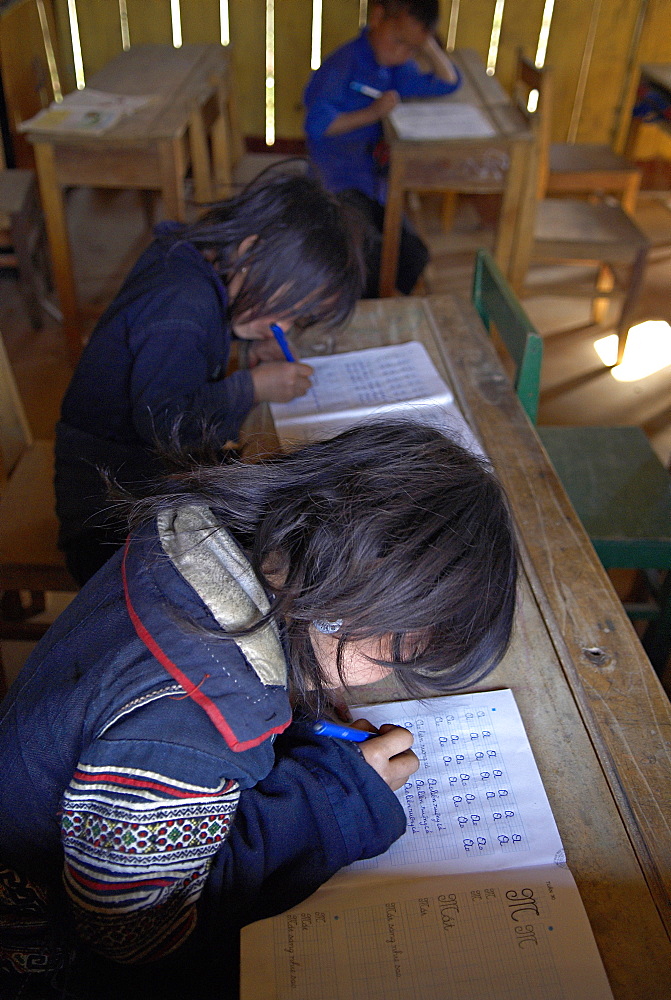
<point>391,527</point>
<point>304,257</point>
<point>424,11</point>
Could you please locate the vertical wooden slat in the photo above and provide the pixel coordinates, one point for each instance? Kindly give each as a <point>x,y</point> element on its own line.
<point>293,24</point>
<point>248,20</point>
<point>518,30</point>
<point>475,25</point>
<point>148,21</point>
<point>570,27</point>
<point>586,61</point>
<point>340,22</point>
<point>99,33</point>
<point>62,22</point>
<point>200,21</point>
<point>607,70</point>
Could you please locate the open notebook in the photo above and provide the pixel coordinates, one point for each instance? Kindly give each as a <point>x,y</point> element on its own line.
<point>395,381</point>
<point>440,120</point>
<point>475,900</point>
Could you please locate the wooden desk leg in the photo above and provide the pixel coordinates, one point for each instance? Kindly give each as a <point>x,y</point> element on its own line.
<point>221,158</point>
<point>523,218</point>
<point>518,175</point>
<point>391,234</point>
<point>221,138</point>
<point>200,159</point>
<point>633,290</point>
<point>55,223</point>
<point>173,169</point>
<point>630,193</point>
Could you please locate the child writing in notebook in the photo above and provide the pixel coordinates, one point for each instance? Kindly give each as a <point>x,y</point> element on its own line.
<point>283,252</point>
<point>163,780</point>
<point>346,100</point>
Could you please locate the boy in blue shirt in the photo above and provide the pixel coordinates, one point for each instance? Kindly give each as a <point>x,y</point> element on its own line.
<point>344,116</point>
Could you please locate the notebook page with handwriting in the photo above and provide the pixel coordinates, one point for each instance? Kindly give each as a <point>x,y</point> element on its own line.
<point>474,901</point>
<point>426,120</point>
<point>398,380</point>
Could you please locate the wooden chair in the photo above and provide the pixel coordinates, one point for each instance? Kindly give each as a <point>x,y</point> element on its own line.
<point>583,168</point>
<point>29,559</point>
<point>620,490</point>
<point>498,306</point>
<point>562,230</point>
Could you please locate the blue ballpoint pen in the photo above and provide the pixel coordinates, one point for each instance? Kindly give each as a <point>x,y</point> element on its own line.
<point>363,88</point>
<point>326,728</point>
<point>278,333</point>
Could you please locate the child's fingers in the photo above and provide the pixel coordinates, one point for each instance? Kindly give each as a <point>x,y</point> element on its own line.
<point>390,755</point>
<point>341,709</point>
<point>280,382</point>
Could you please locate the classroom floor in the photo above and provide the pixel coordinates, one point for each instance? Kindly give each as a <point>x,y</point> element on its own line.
<point>108,232</point>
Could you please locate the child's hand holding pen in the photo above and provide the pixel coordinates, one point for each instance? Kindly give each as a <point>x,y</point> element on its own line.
<point>383,101</point>
<point>278,381</point>
<point>387,749</point>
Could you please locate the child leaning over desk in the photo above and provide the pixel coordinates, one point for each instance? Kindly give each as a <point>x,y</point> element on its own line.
<point>282,252</point>
<point>346,100</point>
<point>157,795</point>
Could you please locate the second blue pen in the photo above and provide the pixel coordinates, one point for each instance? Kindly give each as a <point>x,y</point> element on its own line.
<point>278,333</point>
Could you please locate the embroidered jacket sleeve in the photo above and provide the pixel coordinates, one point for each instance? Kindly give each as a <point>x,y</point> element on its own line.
<point>141,823</point>
<point>149,859</point>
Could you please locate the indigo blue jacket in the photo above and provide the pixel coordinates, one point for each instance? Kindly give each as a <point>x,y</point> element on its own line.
<point>346,161</point>
<point>156,795</point>
<point>158,354</point>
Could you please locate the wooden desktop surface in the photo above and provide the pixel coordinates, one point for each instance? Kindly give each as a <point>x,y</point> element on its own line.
<point>476,165</point>
<point>146,150</point>
<point>598,720</point>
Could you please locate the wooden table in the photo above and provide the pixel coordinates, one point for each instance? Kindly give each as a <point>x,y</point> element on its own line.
<point>654,78</point>
<point>470,165</point>
<point>147,150</point>
<point>597,718</point>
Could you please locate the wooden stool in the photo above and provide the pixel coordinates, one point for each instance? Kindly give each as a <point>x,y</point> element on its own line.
<point>21,233</point>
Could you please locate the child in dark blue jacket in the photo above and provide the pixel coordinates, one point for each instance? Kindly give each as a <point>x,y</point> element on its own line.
<point>344,116</point>
<point>156,793</point>
<point>282,252</point>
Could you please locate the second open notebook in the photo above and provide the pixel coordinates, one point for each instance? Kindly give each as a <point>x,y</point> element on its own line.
<point>395,381</point>
<point>475,900</point>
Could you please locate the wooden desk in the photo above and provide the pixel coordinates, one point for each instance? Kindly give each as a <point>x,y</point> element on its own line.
<point>598,720</point>
<point>654,77</point>
<point>475,165</point>
<point>146,150</point>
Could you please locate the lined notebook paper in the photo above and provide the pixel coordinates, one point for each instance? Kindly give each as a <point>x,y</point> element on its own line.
<point>440,120</point>
<point>395,381</point>
<point>474,902</point>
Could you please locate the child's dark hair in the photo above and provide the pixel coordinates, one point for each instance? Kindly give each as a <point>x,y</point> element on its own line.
<point>391,527</point>
<point>305,260</point>
<point>424,11</point>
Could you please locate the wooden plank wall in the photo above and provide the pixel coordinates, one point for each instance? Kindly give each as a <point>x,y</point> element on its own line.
<point>594,47</point>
